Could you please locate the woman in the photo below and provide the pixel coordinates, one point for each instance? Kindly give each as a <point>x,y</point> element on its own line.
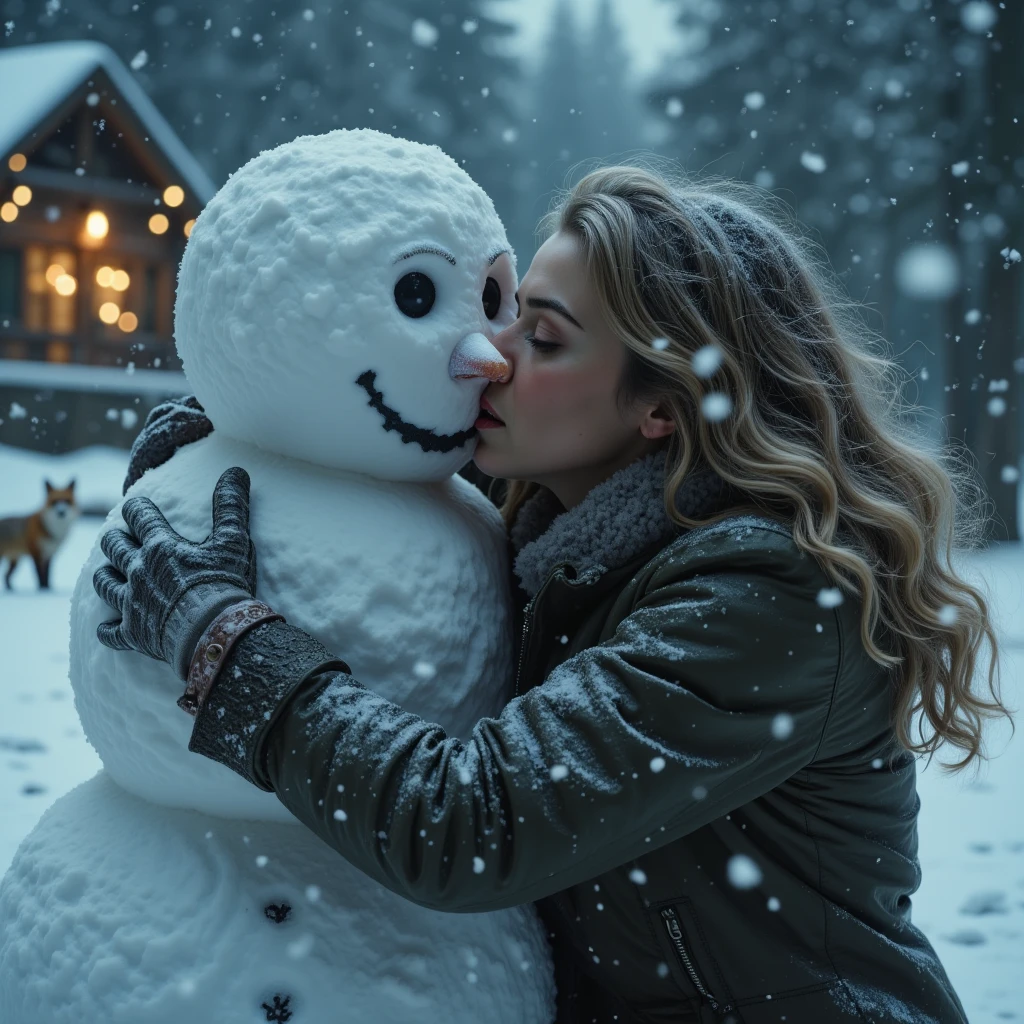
<point>735,568</point>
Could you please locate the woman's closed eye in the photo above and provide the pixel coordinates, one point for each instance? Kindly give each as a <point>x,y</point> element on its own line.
<point>540,345</point>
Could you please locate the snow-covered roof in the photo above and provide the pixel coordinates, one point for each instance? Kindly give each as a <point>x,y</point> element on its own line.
<point>107,379</point>
<point>41,77</point>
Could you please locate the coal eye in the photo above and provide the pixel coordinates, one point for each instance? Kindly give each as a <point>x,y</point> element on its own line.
<point>415,294</point>
<point>492,298</point>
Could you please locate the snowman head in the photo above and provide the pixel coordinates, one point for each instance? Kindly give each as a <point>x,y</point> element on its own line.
<point>336,302</point>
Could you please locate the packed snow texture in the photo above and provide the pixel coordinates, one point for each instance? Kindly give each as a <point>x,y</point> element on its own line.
<point>286,296</point>
<point>384,574</point>
<point>287,301</point>
<point>120,911</point>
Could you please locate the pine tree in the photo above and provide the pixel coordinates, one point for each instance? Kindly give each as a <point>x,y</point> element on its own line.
<point>612,106</point>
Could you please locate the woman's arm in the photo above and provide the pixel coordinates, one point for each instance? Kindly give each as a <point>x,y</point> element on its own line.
<point>629,745</point>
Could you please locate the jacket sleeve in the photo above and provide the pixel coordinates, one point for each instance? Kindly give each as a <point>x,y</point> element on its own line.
<point>713,691</point>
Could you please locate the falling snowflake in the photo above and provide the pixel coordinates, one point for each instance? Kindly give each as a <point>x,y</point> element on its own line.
<point>340,815</point>
<point>996,406</point>
<point>928,271</point>
<point>657,764</point>
<point>782,726</point>
<point>139,61</point>
<point>830,597</point>
<point>1009,474</point>
<point>960,168</point>
<point>754,100</point>
<point>660,344</point>
<point>978,16</point>
<point>559,772</point>
<point>716,407</point>
<point>478,865</point>
<point>469,26</point>
<point>742,872</point>
<point>638,877</point>
<point>773,904</point>
<point>948,614</point>
<point>424,33</point>
<point>674,107</point>
<point>706,361</point>
<point>424,670</point>
<point>813,162</point>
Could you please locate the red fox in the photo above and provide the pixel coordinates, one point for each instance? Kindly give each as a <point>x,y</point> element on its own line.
<point>39,534</point>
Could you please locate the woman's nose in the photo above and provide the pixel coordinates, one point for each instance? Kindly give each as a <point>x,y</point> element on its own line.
<point>475,356</point>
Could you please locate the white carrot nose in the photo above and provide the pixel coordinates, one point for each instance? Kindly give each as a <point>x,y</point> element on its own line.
<point>475,356</point>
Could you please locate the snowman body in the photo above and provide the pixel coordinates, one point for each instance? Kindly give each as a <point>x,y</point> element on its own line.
<point>334,313</point>
<point>168,888</point>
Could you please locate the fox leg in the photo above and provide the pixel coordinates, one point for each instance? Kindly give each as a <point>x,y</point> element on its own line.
<point>43,572</point>
<point>13,564</point>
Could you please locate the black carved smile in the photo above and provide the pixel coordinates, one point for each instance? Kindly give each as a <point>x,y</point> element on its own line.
<point>428,440</point>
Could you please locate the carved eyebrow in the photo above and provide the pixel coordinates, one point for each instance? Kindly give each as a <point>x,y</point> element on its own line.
<point>436,250</point>
<point>494,256</point>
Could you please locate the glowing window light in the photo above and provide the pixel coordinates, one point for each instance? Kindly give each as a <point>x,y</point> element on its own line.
<point>127,322</point>
<point>174,195</point>
<point>65,285</point>
<point>53,271</point>
<point>97,225</point>
<point>158,223</point>
<point>109,312</point>
<point>120,281</point>
<point>8,212</point>
<point>189,225</point>
<point>105,277</point>
<point>17,162</point>
<point>22,195</point>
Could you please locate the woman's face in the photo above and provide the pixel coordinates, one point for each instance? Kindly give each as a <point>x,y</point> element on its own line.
<point>559,421</point>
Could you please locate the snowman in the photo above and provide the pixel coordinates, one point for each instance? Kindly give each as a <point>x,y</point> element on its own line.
<point>334,312</point>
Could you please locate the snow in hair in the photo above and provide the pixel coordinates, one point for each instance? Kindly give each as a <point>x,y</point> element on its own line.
<point>803,414</point>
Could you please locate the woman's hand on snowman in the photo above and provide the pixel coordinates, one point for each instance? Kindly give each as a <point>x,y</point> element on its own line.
<point>168,589</point>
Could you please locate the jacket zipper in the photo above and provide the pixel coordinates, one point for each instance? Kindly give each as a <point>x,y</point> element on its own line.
<point>527,611</point>
<point>676,935</point>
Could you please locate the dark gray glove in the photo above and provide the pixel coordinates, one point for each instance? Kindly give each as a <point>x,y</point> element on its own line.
<point>169,426</point>
<point>169,589</point>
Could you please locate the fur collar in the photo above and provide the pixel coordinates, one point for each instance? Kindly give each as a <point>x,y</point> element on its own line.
<point>613,524</point>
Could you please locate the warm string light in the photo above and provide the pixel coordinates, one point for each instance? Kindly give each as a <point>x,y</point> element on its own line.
<point>158,223</point>
<point>22,195</point>
<point>17,162</point>
<point>174,195</point>
<point>97,225</point>
<point>8,213</point>
<point>110,312</point>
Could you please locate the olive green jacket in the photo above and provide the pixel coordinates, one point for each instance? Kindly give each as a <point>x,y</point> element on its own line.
<point>696,781</point>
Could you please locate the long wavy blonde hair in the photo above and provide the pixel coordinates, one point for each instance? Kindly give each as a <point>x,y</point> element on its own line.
<point>818,434</point>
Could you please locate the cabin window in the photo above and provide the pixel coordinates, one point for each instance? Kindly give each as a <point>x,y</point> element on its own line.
<point>51,287</point>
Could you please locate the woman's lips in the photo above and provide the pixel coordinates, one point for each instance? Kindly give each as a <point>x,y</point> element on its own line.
<point>488,418</point>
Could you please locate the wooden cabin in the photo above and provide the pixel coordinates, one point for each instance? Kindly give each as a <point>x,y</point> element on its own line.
<point>97,197</point>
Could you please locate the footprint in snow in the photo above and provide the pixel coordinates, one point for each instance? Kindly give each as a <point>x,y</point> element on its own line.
<point>991,901</point>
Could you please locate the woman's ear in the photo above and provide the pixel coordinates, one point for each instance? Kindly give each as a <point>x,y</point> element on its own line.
<point>656,423</point>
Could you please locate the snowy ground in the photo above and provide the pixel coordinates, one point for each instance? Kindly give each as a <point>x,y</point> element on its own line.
<point>971,904</point>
